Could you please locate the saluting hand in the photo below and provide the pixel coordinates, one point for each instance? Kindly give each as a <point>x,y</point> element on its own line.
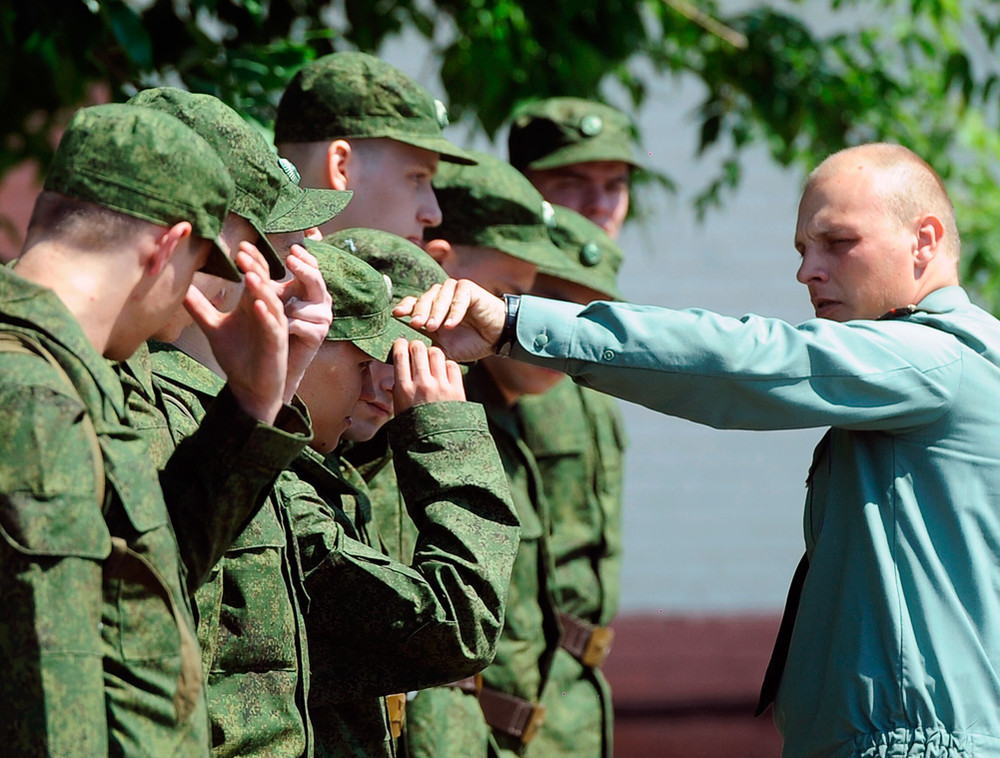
<point>423,375</point>
<point>308,307</point>
<point>250,343</point>
<point>460,316</point>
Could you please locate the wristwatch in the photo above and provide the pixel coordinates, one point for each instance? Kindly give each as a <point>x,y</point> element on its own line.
<point>509,333</point>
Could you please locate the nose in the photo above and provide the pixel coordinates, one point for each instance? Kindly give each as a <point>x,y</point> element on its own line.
<point>810,268</point>
<point>430,212</point>
<point>367,387</point>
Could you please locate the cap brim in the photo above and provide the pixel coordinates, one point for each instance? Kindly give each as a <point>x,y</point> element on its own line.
<point>219,262</point>
<point>274,264</point>
<point>379,346</point>
<point>449,153</point>
<point>585,152</point>
<point>542,254</point>
<point>313,207</point>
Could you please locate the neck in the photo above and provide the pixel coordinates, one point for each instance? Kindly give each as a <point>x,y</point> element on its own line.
<point>192,342</point>
<point>89,285</point>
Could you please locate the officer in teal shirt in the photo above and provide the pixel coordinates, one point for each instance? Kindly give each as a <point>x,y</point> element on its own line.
<point>895,646</point>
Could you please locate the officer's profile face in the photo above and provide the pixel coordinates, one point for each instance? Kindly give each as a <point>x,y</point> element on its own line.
<point>373,411</point>
<point>856,255</point>
<point>392,189</point>
<point>597,190</point>
<point>337,377</point>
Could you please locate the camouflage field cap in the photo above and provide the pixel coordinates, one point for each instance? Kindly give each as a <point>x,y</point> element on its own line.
<point>147,165</point>
<point>561,131</point>
<point>592,257</point>
<point>492,204</point>
<point>362,302</point>
<point>245,152</point>
<point>354,96</point>
<point>411,270</point>
<point>299,208</point>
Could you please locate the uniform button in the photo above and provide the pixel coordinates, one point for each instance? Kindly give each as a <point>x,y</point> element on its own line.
<point>608,355</point>
<point>541,341</point>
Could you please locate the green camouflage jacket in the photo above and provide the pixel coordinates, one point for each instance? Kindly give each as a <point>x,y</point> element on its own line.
<point>578,442</point>
<point>250,621</point>
<point>406,626</point>
<point>92,653</point>
<point>530,635</point>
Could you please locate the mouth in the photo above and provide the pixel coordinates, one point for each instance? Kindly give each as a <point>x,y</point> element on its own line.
<point>379,409</point>
<point>824,305</point>
<point>418,241</point>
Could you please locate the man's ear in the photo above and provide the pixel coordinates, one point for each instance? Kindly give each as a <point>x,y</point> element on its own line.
<point>165,246</point>
<point>341,162</point>
<point>930,231</point>
<point>440,250</point>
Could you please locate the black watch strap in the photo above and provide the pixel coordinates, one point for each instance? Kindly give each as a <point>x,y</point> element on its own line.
<point>509,333</point>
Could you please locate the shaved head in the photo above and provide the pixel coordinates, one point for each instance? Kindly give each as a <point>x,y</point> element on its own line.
<point>905,183</point>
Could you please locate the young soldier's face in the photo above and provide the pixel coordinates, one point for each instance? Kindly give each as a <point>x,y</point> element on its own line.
<point>337,377</point>
<point>857,257</point>
<point>597,190</point>
<point>373,411</point>
<point>392,190</point>
<point>223,294</point>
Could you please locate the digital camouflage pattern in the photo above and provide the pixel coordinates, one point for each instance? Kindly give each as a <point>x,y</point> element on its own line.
<point>352,95</point>
<point>578,440</point>
<point>251,162</point>
<point>362,302</point>
<point>126,158</point>
<point>250,616</point>
<point>91,662</point>
<point>561,131</point>
<point>530,633</point>
<point>300,208</point>
<point>493,205</point>
<point>406,627</point>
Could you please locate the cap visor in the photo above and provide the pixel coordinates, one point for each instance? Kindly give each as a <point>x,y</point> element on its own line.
<point>219,263</point>
<point>449,153</point>
<point>313,207</point>
<point>586,152</point>
<point>274,264</point>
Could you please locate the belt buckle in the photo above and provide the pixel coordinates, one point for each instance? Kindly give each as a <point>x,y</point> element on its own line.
<point>598,646</point>
<point>535,721</point>
<point>395,705</point>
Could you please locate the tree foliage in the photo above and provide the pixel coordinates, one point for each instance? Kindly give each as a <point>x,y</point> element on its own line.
<point>917,72</point>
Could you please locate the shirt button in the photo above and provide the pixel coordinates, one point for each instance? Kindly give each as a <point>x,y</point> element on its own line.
<point>541,341</point>
<point>608,355</point>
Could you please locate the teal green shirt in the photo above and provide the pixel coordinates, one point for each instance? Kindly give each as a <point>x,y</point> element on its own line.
<point>896,646</point>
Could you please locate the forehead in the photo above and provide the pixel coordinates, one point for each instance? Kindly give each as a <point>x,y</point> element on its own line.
<point>847,196</point>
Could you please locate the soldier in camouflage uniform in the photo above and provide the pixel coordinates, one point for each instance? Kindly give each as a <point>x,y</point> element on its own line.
<point>495,232</point>
<point>412,272</point>
<point>351,121</point>
<point>376,626</point>
<point>249,624</point>
<point>578,154</point>
<point>577,439</point>
<point>99,651</point>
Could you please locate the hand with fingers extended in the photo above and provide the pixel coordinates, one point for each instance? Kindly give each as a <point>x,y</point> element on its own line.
<point>250,343</point>
<point>308,308</point>
<point>423,375</point>
<point>460,316</point>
